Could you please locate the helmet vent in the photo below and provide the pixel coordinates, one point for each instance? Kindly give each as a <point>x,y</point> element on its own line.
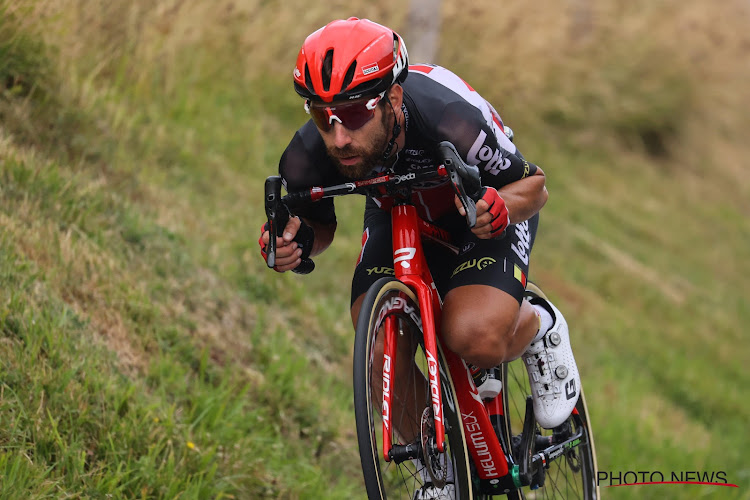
<point>327,70</point>
<point>308,79</point>
<point>349,76</point>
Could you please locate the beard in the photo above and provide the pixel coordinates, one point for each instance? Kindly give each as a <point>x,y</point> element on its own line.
<point>370,155</point>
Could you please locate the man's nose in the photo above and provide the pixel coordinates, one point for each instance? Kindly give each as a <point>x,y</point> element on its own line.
<point>341,135</point>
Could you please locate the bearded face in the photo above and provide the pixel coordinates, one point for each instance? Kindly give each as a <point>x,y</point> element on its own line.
<point>357,159</point>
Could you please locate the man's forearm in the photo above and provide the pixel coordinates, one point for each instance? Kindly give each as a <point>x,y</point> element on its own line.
<point>323,236</point>
<point>524,198</point>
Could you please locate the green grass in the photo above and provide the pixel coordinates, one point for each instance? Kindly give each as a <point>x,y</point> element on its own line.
<point>146,351</point>
<point>115,392</point>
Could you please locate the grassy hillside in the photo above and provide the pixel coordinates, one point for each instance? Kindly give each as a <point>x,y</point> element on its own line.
<point>145,351</point>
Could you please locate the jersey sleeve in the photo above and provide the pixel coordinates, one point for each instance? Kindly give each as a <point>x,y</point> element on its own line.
<point>304,165</point>
<point>482,144</point>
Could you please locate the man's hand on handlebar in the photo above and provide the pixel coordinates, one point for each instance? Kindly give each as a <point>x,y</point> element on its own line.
<point>492,214</point>
<point>288,251</point>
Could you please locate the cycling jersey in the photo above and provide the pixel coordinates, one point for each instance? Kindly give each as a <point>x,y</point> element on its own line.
<point>438,106</point>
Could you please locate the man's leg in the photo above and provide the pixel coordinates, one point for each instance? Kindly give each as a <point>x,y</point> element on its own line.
<point>487,321</point>
<point>487,326</point>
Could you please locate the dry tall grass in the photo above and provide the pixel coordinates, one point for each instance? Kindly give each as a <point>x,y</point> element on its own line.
<point>668,80</point>
<point>677,71</point>
<point>673,74</point>
<point>254,37</point>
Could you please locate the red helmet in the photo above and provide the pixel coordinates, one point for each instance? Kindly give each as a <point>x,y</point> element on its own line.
<point>349,59</point>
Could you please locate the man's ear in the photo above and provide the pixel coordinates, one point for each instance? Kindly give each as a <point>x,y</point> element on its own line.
<point>396,95</point>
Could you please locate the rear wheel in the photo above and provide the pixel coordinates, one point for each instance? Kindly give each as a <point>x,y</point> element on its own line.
<point>412,407</point>
<point>572,475</point>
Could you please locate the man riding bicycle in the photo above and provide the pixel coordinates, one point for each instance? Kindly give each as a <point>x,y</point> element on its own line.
<point>368,117</point>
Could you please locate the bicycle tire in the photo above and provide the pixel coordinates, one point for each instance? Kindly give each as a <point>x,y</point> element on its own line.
<point>388,480</point>
<point>562,480</point>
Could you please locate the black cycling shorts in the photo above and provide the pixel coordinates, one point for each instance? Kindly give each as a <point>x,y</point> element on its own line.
<point>501,263</point>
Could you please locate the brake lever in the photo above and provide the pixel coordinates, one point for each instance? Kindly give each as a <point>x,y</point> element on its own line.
<point>273,208</point>
<point>465,179</point>
<point>278,216</point>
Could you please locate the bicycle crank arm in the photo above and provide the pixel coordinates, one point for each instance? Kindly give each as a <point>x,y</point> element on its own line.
<point>528,465</point>
<point>553,452</point>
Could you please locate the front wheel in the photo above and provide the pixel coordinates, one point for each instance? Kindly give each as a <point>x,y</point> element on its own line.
<point>411,416</point>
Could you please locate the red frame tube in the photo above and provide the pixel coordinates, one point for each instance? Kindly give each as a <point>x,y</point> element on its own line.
<point>389,366</point>
<point>411,268</point>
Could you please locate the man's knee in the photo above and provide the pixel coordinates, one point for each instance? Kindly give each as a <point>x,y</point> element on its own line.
<point>479,330</point>
<point>481,343</point>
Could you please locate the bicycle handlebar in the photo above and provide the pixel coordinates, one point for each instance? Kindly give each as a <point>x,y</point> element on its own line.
<point>464,178</point>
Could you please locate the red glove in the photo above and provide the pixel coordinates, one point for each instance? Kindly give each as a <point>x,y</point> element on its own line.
<point>498,210</point>
<point>263,229</point>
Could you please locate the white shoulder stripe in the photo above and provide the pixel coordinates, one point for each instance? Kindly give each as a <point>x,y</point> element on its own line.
<point>456,84</point>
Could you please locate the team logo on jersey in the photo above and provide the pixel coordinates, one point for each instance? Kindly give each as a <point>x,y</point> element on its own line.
<point>523,245</point>
<point>526,168</point>
<point>471,263</point>
<point>380,270</point>
<point>493,158</point>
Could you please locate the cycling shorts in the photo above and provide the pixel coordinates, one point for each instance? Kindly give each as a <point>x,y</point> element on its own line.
<point>500,263</point>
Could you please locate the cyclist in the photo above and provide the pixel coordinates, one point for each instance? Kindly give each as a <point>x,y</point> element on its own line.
<point>368,117</point>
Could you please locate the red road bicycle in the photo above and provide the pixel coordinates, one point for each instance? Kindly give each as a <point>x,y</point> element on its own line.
<point>491,447</point>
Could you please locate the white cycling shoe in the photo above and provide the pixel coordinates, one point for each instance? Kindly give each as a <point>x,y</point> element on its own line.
<point>430,492</point>
<point>553,374</point>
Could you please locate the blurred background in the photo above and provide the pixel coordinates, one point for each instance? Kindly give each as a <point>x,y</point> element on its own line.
<point>146,351</point>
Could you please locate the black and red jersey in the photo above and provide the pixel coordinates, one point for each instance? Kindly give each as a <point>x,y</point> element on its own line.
<point>438,106</point>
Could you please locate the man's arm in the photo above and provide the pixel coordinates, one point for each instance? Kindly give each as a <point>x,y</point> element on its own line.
<point>524,198</point>
<point>323,233</point>
<point>510,204</point>
<point>303,164</point>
